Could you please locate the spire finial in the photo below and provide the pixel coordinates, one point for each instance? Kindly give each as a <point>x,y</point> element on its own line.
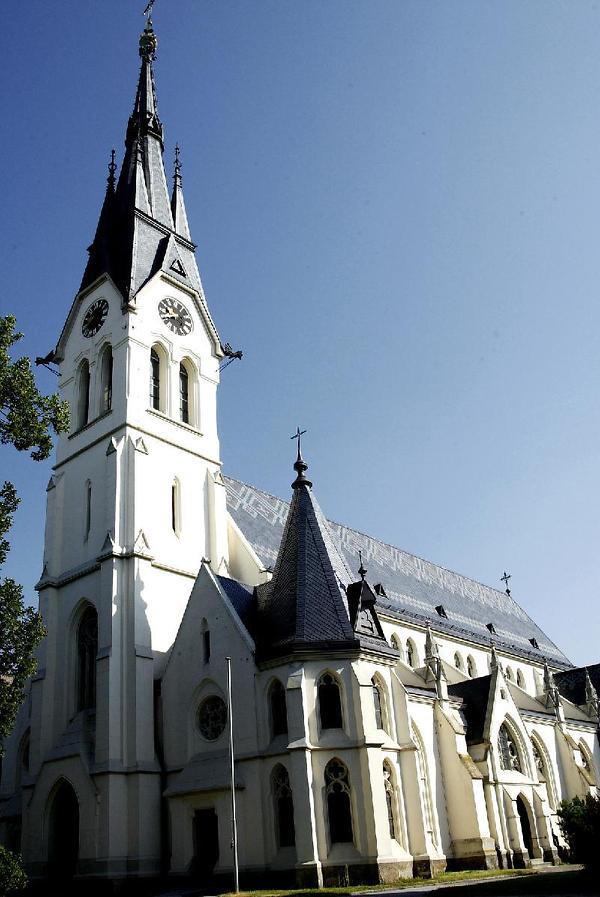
<point>148,39</point>
<point>112,167</point>
<point>177,167</point>
<point>361,570</point>
<point>505,579</point>
<point>300,466</point>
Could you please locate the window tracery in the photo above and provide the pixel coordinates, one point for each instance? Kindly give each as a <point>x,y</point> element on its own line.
<point>278,706</point>
<point>212,717</point>
<point>283,806</point>
<point>507,748</point>
<point>87,649</point>
<point>337,789</point>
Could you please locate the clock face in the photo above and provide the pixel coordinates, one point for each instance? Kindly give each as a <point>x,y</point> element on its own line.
<point>176,316</point>
<point>94,317</point>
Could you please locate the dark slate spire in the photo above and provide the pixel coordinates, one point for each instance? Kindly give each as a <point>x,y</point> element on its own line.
<point>363,614</point>
<point>303,607</point>
<point>177,202</point>
<point>100,251</point>
<point>139,235</point>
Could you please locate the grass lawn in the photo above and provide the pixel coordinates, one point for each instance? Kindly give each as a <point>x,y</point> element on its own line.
<point>507,883</point>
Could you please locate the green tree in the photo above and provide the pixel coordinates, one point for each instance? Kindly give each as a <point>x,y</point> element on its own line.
<point>12,876</point>
<point>27,420</point>
<point>579,820</point>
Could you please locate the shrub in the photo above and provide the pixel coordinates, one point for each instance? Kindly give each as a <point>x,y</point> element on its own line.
<point>12,874</point>
<point>579,821</point>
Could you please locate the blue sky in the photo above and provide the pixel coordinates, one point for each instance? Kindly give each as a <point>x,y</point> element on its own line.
<point>396,210</point>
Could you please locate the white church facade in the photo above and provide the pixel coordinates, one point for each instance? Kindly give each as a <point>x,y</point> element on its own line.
<point>390,717</point>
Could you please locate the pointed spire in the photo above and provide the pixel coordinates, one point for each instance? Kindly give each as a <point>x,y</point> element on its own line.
<point>300,465</point>
<point>362,571</point>
<point>177,202</point>
<point>112,168</point>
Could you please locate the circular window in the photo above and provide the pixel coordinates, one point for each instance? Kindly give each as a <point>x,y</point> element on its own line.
<point>212,717</point>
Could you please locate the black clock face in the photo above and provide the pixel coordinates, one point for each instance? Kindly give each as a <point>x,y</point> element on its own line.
<point>176,316</point>
<point>94,317</point>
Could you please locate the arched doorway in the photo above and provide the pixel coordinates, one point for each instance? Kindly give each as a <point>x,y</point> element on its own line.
<point>525,825</point>
<point>63,840</point>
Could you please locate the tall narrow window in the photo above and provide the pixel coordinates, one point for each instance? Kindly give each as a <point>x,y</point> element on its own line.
<point>88,510</point>
<point>205,642</point>
<point>507,748</point>
<point>458,661</point>
<point>184,394</point>
<point>330,704</point>
<point>337,788</point>
<point>411,653</point>
<point>87,649</point>
<point>283,806</point>
<point>278,707</point>
<point>377,704</point>
<point>83,397</point>
<point>155,397</point>
<point>176,506</point>
<point>471,668</point>
<point>106,374</point>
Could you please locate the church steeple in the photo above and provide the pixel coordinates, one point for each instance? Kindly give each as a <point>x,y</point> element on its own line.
<point>143,230</point>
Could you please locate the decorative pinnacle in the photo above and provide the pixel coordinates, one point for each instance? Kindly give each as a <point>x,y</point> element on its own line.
<point>177,172</point>
<point>361,570</point>
<point>300,466</point>
<point>148,39</point>
<point>112,167</point>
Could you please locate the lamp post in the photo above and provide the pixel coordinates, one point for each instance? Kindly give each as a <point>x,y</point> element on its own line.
<point>234,843</point>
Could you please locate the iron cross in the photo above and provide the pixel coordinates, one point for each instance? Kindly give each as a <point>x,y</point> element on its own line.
<point>298,435</point>
<point>148,10</point>
<point>505,579</point>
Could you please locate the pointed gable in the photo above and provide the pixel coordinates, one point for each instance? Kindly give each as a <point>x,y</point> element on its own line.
<point>304,605</point>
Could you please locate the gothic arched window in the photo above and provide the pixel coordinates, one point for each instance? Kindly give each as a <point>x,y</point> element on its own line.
<point>87,649</point>
<point>278,708</point>
<point>283,807</point>
<point>106,376</point>
<point>471,668</point>
<point>520,679</point>
<point>83,394</point>
<point>377,703</point>
<point>158,385</point>
<point>184,394</point>
<point>88,510</point>
<point>507,748</point>
<point>458,661</point>
<point>509,674</point>
<point>176,507</point>
<point>205,642</point>
<point>330,703</point>
<point>337,789</point>
<point>411,654</point>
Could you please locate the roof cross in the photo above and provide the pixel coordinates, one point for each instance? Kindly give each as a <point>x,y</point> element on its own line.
<point>148,10</point>
<point>505,579</point>
<point>298,435</point>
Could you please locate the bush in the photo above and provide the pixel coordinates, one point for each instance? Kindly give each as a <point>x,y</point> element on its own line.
<point>579,821</point>
<point>12,874</point>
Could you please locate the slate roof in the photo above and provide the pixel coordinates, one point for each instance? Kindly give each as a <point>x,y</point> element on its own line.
<point>413,586</point>
<point>475,695</point>
<point>571,683</point>
<point>304,604</point>
<point>243,601</point>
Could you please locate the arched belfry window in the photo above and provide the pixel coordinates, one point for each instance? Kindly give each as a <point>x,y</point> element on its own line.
<point>278,708</point>
<point>339,811</point>
<point>158,378</point>
<point>83,394</point>
<point>184,394</point>
<point>87,649</point>
<point>507,748</point>
<point>330,702</point>
<point>283,807</point>
<point>106,378</point>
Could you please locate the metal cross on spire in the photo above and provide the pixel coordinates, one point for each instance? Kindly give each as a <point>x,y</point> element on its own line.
<point>148,10</point>
<point>298,435</point>
<point>505,579</point>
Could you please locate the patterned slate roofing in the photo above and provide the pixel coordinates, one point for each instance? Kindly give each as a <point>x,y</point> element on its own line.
<point>571,683</point>
<point>413,586</point>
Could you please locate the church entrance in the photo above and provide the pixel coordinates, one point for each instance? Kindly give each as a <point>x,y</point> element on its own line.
<point>206,844</point>
<point>525,825</point>
<point>63,845</point>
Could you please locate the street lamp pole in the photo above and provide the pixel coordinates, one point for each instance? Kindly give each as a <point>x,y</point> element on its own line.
<point>234,840</point>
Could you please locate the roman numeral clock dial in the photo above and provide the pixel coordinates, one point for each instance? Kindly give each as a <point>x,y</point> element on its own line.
<point>94,318</point>
<point>176,316</point>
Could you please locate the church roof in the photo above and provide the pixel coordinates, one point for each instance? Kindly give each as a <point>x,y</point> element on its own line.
<point>413,587</point>
<point>571,683</point>
<point>304,605</point>
<point>475,695</point>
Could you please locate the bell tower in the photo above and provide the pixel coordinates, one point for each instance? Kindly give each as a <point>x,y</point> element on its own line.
<point>135,503</point>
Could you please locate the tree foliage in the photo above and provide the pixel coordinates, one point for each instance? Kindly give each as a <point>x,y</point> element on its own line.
<point>27,420</point>
<point>12,876</point>
<point>579,821</point>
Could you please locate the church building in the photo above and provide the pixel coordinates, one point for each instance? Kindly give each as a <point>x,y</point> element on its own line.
<point>390,717</point>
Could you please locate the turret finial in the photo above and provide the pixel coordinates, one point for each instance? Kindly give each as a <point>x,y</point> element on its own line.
<point>148,39</point>
<point>361,570</point>
<point>112,167</point>
<point>300,465</point>
<point>177,167</point>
